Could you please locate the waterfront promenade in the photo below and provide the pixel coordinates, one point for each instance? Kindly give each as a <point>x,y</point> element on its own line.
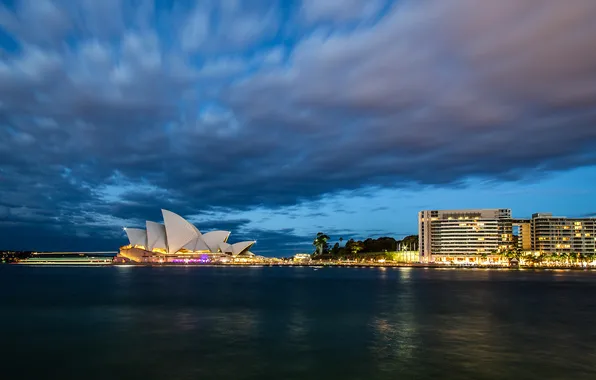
<point>107,259</point>
<point>314,265</point>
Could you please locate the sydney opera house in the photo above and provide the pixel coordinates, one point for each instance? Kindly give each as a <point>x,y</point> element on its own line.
<point>179,241</point>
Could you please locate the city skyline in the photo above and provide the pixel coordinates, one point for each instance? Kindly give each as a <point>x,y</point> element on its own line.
<point>280,119</point>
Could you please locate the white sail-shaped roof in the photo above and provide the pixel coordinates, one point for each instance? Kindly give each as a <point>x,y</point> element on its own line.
<point>136,236</point>
<point>242,246</point>
<point>179,231</point>
<point>156,236</point>
<point>197,244</point>
<point>213,238</point>
<point>225,247</point>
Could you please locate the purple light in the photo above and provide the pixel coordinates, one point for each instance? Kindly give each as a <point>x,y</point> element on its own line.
<point>190,261</point>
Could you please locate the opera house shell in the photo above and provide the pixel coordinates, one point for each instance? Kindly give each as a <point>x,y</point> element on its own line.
<point>179,241</point>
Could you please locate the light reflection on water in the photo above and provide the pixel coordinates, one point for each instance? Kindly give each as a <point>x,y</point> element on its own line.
<point>292,323</point>
<point>394,344</point>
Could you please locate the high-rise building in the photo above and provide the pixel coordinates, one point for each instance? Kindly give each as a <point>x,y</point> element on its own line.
<point>524,234</point>
<point>463,232</point>
<point>553,234</point>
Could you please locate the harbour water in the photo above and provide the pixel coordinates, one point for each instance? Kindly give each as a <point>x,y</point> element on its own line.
<point>296,323</point>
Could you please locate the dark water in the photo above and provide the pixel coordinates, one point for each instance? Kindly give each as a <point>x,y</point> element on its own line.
<point>295,323</point>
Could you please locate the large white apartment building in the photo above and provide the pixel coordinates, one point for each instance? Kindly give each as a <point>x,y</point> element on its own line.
<point>556,234</point>
<point>444,233</point>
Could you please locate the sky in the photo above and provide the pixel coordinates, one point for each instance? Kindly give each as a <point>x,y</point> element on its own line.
<point>279,119</point>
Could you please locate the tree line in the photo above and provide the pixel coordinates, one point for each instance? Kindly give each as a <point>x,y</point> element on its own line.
<point>353,248</point>
<point>14,256</point>
<point>561,258</point>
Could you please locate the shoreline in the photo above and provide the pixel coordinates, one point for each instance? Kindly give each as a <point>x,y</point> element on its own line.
<point>310,265</point>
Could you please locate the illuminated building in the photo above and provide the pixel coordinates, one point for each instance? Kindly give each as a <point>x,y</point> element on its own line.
<point>179,241</point>
<point>448,234</point>
<point>524,229</point>
<point>553,234</point>
<point>302,257</point>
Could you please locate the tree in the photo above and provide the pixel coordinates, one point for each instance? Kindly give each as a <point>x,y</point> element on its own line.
<point>320,242</point>
<point>574,257</point>
<point>511,254</point>
<point>536,259</point>
<point>356,247</point>
<point>409,243</point>
<point>591,257</point>
<point>335,249</point>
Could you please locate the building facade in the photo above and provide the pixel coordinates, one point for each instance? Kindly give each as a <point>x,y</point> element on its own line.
<point>524,234</point>
<point>445,234</point>
<point>560,235</point>
<point>179,241</point>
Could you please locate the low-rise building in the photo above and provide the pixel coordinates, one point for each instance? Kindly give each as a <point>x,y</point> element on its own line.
<point>301,257</point>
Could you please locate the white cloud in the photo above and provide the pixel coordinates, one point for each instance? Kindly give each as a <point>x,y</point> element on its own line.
<point>33,64</point>
<point>35,21</point>
<point>340,10</point>
<point>229,26</point>
<point>195,31</point>
<point>222,68</point>
<point>144,50</point>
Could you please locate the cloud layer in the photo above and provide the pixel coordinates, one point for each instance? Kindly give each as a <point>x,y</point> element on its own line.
<point>110,110</point>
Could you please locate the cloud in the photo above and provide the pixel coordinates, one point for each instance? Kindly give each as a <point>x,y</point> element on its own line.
<point>41,22</point>
<point>220,26</point>
<point>340,10</point>
<point>244,105</point>
<point>447,100</point>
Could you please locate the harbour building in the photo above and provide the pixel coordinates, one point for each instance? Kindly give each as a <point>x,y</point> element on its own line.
<point>179,241</point>
<point>524,234</point>
<point>463,235</point>
<point>561,235</point>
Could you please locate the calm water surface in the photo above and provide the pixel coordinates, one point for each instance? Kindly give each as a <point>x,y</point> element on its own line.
<point>295,323</point>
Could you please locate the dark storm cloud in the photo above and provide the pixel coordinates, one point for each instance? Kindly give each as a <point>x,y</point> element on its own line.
<point>190,113</point>
<point>457,94</point>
